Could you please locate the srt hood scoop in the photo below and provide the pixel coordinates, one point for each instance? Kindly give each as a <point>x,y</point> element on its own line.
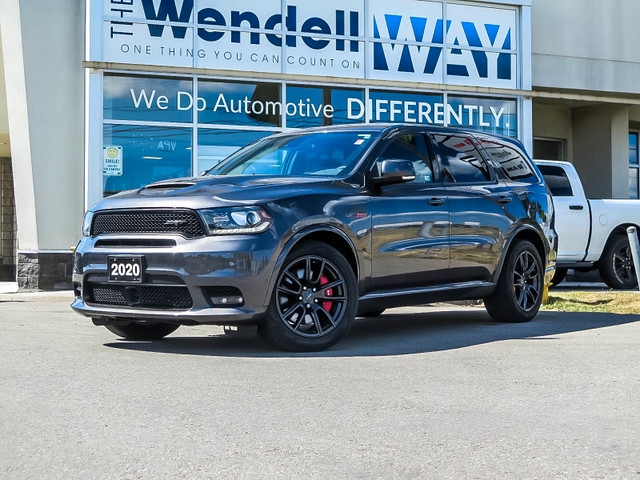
<point>169,185</point>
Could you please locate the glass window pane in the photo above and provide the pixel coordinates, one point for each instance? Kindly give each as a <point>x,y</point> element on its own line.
<point>557,180</point>
<point>411,147</point>
<point>234,103</point>
<point>405,107</point>
<point>633,148</point>
<point>461,160</point>
<point>306,107</point>
<point>138,155</point>
<point>491,115</point>
<point>512,163</point>
<point>633,183</point>
<point>216,145</point>
<point>348,105</point>
<point>317,106</point>
<point>147,99</point>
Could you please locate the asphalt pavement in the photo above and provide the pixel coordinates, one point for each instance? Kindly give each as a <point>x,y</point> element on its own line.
<point>428,392</point>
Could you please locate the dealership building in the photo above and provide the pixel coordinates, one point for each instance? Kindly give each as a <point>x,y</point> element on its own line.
<point>100,96</point>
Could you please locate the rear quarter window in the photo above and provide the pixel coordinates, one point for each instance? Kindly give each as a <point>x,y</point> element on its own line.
<point>512,163</point>
<point>557,180</point>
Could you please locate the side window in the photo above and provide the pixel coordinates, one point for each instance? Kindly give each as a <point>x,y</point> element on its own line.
<point>557,180</point>
<point>512,163</point>
<point>460,160</point>
<point>412,147</point>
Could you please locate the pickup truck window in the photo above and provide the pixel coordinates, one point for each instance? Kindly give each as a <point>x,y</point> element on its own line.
<point>461,161</point>
<point>557,180</point>
<point>511,162</point>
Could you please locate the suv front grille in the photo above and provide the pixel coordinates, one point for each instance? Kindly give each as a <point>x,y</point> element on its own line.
<point>146,296</point>
<point>183,222</point>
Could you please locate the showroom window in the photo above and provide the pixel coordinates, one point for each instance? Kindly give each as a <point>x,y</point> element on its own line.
<point>144,154</point>
<point>162,126</point>
<point>634,165</point>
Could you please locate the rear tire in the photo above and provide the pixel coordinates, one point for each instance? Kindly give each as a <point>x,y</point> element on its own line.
<point>616,265</point>
<point>139,331</point>
<point>518,294</point>
<point>304,315</point>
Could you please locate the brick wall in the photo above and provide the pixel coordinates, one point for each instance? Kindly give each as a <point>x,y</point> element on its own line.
<point>8,226</point>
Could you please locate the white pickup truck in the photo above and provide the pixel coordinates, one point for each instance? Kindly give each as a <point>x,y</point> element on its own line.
<point>591,233</point>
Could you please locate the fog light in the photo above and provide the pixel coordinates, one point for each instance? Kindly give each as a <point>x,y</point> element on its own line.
<point>234,301</point>
<point>223,296</point>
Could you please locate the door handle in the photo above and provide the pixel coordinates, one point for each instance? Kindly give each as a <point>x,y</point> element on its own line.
<point>435,201</point>
<point>504,199</point>
<point>576,207</point>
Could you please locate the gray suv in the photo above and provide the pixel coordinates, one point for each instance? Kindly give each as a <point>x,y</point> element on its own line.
<point>301,232</point>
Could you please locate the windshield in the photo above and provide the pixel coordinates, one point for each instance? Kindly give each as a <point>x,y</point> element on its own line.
<point>328,154</point>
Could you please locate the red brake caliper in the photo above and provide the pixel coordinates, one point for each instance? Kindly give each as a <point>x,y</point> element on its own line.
<point>326,305</point>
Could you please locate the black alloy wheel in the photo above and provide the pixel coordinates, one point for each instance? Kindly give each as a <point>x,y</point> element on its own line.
<point>623,264</point>
<point>616,265</point>
<point>314,300</point>
<point>518,294</point>
<point>527,281</point>
<point>311,296</point>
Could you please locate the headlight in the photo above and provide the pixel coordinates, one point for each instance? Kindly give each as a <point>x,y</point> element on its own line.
<point>236,220</point>
<point>86,224</point>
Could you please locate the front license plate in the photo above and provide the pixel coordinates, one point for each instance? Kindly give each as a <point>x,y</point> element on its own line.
<point>125,269</point>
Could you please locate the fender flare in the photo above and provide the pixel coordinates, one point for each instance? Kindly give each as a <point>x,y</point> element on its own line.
<point>507,247</point>
<point>299,236</point>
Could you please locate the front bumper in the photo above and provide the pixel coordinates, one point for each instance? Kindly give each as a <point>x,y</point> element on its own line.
<point>243,262</point>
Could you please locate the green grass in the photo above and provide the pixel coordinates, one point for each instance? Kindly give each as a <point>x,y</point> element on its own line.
<point>604,302</point>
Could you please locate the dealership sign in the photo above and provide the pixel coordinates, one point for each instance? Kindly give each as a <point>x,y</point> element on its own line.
<point>408,40</point>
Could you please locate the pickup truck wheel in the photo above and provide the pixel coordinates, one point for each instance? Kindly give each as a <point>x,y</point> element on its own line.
<point>518,294</point>
<point>616,265</point>
<point>559,276</point>
<point>314,301</point>
<point>139,331</point>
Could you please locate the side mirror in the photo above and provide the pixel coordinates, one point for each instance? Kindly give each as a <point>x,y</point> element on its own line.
<point>395,171</point>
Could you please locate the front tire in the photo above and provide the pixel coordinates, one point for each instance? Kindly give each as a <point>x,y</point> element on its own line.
<point>314,300</point>
<point>616,265</point>
<point>518,294</point>
<point>139,331</point>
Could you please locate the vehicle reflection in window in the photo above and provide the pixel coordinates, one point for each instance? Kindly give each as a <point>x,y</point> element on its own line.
<point>512,163</point>
<point>461,161</point>
<point>411,147</point>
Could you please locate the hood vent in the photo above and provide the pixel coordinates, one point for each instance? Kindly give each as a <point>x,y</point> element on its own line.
<point>169,185</point>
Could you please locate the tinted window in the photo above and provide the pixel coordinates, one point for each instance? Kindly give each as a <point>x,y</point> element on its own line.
<point>557,180</point>
<point>412,147</point>
<point>461,160</point>
<point>511,162</point>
